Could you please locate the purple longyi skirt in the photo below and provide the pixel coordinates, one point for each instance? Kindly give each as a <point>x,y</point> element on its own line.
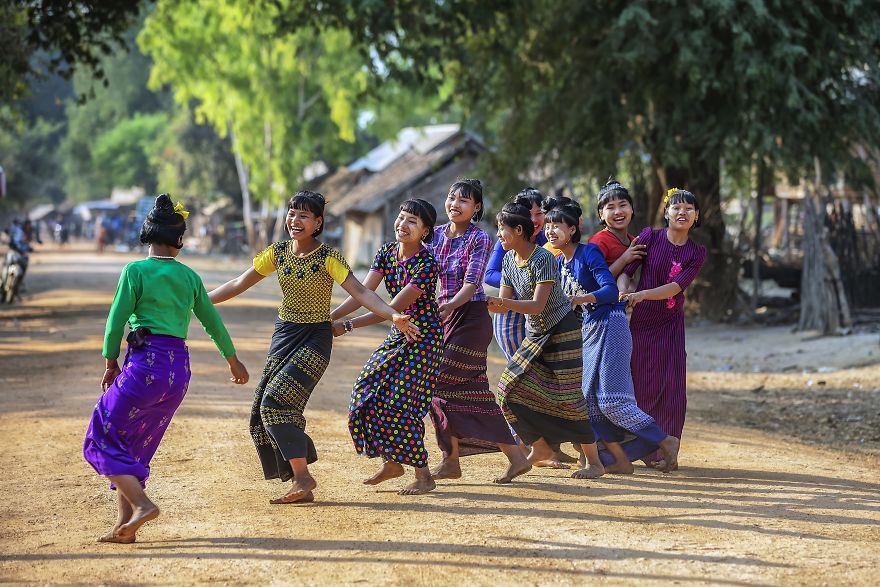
<point>131,417</point>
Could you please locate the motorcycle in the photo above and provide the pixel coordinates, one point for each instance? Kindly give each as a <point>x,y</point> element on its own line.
<point>12,273</point>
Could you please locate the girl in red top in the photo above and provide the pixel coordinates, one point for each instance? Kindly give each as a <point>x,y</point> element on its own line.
<point>618,246</point>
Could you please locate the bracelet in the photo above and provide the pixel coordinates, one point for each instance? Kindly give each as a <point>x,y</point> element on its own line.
<point>348,325</point>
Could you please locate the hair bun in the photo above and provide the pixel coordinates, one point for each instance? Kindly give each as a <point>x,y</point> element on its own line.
<point>163,211</point>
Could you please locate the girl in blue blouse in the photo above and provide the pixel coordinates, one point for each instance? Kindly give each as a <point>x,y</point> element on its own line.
<point>607,379</point>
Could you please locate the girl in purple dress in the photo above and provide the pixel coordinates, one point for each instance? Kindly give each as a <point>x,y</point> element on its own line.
<point>657,325</point>
<point>156,297</point>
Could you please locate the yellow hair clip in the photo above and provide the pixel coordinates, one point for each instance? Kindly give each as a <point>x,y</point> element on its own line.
<point>669,192</point>
<point>178,209</point>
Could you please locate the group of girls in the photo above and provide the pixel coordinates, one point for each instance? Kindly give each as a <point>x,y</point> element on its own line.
<point>559,319</point>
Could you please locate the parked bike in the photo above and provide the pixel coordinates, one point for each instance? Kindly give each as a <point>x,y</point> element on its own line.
<point>12,273</point>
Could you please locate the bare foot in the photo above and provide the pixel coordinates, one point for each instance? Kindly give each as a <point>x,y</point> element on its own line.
<point>669,446</point>
<point>620,468</point>
<point>551,464</point>
<point>139,517</point>
<point>389,470</point>
<point>661,466</point>
<point>591,472</point>
<point>448,469</point>
<point>419,486</point>
<point>308,497</point>
<point>563,457</point>
<point>113,536</point>
<point>301,491</point>
<point>513,471</point>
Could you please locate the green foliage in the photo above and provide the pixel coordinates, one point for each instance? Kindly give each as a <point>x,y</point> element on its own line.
<point>28,155</point>
<point>192,161</point>
<point>65,34</point>
<point>126,97</point>
<point>122,155</point>
<point>288,99</point>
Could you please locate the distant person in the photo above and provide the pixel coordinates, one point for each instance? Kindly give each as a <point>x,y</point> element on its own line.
<point>659,360</point>
<point>301,344</point>
<point>156,296</point>
<point>100,233</point>
<point>392,395</point>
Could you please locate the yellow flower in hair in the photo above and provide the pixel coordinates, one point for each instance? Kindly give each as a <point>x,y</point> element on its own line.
<point>669,192</point>
<point>178,209</point>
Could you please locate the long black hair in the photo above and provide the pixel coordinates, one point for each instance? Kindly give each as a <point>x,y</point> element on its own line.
<point>163,226</point>
<point>425,211</point>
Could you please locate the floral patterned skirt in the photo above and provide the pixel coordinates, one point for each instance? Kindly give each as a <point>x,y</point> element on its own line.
<point>131,417</point>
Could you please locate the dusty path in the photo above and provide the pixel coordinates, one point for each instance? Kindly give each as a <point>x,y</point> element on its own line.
<point>747,508</point>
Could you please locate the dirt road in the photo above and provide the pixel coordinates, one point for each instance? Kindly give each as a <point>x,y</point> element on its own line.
<point>746,508</point>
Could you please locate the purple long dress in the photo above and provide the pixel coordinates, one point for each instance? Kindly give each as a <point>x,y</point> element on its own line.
<point>659,359</point>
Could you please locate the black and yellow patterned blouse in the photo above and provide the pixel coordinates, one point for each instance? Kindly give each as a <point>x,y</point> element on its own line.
<point>306,282</point>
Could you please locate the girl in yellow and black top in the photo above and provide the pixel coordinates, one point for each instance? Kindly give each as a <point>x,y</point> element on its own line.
<point>302,340</point>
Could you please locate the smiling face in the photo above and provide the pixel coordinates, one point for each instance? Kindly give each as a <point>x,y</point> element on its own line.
<point>409,228</point>
<point>617,214</point>
<point>460,208</point>
<point>537,217</point>
<point>558,234</point>
<point>302,224</point>
<point>509,236</point>
<point>682,215</point>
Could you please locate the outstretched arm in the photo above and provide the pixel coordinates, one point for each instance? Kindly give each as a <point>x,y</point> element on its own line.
<point>379,310</point>
<point>234,287</point>
<point>352,285</point>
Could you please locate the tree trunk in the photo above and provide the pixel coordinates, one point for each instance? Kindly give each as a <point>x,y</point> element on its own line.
<point>713,293</point>
<point>244,183</point>
<point>756,243</point>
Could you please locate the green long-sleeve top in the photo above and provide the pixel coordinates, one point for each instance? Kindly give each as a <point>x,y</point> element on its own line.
<point>161,295</point>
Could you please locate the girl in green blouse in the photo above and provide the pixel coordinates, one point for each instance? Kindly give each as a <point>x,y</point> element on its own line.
<point>156,297</point>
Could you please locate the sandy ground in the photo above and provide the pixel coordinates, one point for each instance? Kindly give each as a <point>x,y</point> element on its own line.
<point>750,505</point>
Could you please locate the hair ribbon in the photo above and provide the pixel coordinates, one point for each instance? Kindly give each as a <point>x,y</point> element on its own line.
<point>178,209</point>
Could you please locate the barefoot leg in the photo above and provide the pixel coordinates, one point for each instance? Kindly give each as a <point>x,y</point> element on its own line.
<point>450,468</point>
<point>519,464</point>
<point>302,486</point>
<point>123,515</point>
<point>389,470</point>
<point>143,510</point>
<point>670,447</point>
<point>423,483</point>
<point>542,456</point>
<point>594,466</point>
<point>622,465</point>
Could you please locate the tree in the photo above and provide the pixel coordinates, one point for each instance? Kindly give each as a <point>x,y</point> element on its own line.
<point>58,35</point>
<point>284,99</point>
<point>685,84</point>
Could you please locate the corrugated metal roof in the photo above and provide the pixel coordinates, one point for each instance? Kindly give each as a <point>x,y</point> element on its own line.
<point>421,140</point>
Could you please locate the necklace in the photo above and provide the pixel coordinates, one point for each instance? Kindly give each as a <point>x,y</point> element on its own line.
<point>626,244</point>
<point>159,257</point>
